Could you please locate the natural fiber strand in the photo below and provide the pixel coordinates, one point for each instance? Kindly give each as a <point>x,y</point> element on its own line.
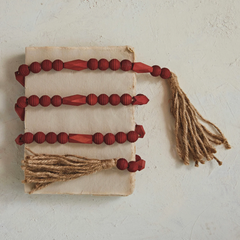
<point>44,169</point>
<point>193,140</point>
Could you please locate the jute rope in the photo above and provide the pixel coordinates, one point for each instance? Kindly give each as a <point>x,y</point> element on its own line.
<point>193,140</point>
<point>44,169</point>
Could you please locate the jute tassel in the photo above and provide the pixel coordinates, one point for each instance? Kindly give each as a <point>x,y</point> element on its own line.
<point>44,169</point>
<point>193,140</point>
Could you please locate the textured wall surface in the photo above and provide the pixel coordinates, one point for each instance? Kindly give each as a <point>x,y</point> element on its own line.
<point>199,41</point>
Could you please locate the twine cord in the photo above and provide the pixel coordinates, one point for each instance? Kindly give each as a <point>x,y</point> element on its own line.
<point>44,169</point>
<point>193,140</point>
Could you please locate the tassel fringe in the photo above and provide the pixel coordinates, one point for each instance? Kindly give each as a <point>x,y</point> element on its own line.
<point>193,140</point>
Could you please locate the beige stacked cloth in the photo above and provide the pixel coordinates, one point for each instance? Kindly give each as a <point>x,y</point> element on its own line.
<point>83,119</point>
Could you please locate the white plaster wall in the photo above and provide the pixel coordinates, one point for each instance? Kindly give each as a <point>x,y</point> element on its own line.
<point>199,41</point>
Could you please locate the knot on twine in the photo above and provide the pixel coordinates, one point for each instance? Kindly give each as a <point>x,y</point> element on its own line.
<point>193,140</point>
<point>44,169</point>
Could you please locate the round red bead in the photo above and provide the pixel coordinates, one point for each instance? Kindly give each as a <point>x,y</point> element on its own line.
<point>126,65</point>
<point>114,99</point>
<point>121,137</point>
<point>137,157</point>
<point>126,99</point>
<point>27,137</point>
<point>46,65</point>
<point>45,101</point>
<point>51,137</point>
<point>92,99</point>
<point>103,64</point>
<point>114,64</point>
<point>156,71</point>
<point>132,166</point>
<point>165,74</point>
<point>39,137</point>
<point>23,70</point>
<point>33,100</point>
<point>122,164</point>
<point>103,99</point>
<point>92,64</point>
<point>132,136</point>
<point>57,65</point>
<point>98,138</point>
<point>56,101</point>
<point>22,102</point>
<point>62,138</point>
<point>109,139</point>
<point>35,67</point>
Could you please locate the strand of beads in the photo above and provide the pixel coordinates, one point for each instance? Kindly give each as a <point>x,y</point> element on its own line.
<point>131,166</point>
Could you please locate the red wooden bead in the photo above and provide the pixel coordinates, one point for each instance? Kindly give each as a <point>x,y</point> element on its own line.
<point>122,164</point>
<point>56,101</point>
<point>140,99</point>
<point>22,102</point>
<point>57,65</point>
<point>114,99</point>
<point>92,99</point>
<point>76,65</point>
<point>98,138</point>
<point>126,99</point>
<point>20,112</point>
<point>140,131</point>
<point>141,164</point>
<point>27,137</point>
<point>103,64</point>
<point>165,74</point>
<point>51,137</point>
<point>33,100</point>
<point>80,138</point>
<point>19,140</point>
<point>132,166</point>
<point>141,68</point>
<point>92,63</point>
<point>103,99</point>
<point>156,71</point>
<point>35,67</point>
<point>62,138</point>
<point>114,64</point>
<point>39,137</point>
<point>74,100</point>
<point>126,65</point>
<point>121,137</point>
<point>109,139</point>
<point>20,78</point>
<point>137,157</point>
<point>45,100</point>
<point>23,70</point>
<point>132,136</point>
<point>46,65</point>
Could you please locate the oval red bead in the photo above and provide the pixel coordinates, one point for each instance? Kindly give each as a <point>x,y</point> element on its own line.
<point>22,102</point>
<point>57,65</point>
<point>114,99</point>
<point>126,99</point>
<point>33,100</point>
<point>35,67</point>
<point>132,136</point>
<point>156,71</point>
<point>114,64</point>
<point>62,137</point>
<point>137,157</point>
<point>45,101</point>
<point>92,64</point>
<point>165,74</point>
<point>51,137</point>
<point>98,138</point>
<point>132,166</point>
<point>103,99</point>
<point>46,65</point>
<point>27,137</point>
<point>24,70</point>
<point>56,100</point>
<point>121,137</point>
<point>126,65</point>
<point>92,99</point>
<point>122,164</point>
<point>103,64</point>
<point>109,139</point>
<point>39,137</point>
